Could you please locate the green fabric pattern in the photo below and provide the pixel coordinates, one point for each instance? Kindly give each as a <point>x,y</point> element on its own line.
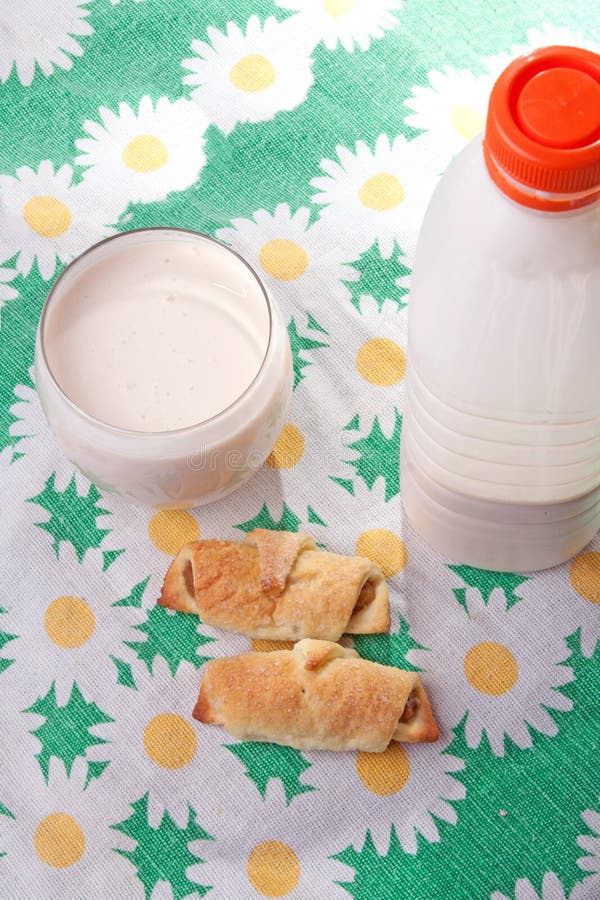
<point>109,787</point>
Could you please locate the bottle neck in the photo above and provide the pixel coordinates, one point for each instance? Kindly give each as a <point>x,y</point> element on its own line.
<point>532,198</point>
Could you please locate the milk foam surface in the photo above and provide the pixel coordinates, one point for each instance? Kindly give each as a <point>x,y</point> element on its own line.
<point>159,336</point>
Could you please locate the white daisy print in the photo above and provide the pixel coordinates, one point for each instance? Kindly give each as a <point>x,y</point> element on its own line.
<point>567,598</point>
<point>17,517</point>
<point>452,111</point>
<point>17,741</point>
<point>552,889</point>
<point>157,742</point>
<point>299,457</point>
<point>36,441</point>
<point>298,262</point>
<point>266,853</point>
<point>66,830</point>
<point>366,385</point>
<point>37,33</point>
<point>488,661</point>
<point>369,461</point>
<point>44,218</point>
<point>153,538</point>
<point>67,624</point>
<point>383,534</point>
<point>249,77</point>
<point>591,844</point>
<point>588,889</point>
<point>347,22</point>
<point>407,786</point>
<point>547,36</point>
<point>380,535</point>
<point>7,292</point>
<point>147,153</point>
<point>368,361</point>
<point>378,195</point>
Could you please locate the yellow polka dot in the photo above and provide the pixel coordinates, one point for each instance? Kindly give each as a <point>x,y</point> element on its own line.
<point>384,773</point>
<point>169,741</point>
<point>268,646</point>
<point>382,191</point>
<point>145,153</point>
<point>383,547</point>
<point>170,529</point>
<point>253,73</point>
<point>288,448</point>
<point>273,869</point>
<point>337,8</point>
<point>585,575</point>
<point>283,259</point>
<point>491,668</point>
<point>381,362</point>
<point>47,216</point>
<point>69,622</point>
<point>59,840</point>
<point>468,122</point>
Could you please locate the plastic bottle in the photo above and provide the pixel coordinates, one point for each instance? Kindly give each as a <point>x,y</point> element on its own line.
<point>501,433</point>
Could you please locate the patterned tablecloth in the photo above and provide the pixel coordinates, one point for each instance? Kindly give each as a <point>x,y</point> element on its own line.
<point>308,134</point>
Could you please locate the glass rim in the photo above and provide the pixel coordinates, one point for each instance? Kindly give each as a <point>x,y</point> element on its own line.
<point>132,432</point>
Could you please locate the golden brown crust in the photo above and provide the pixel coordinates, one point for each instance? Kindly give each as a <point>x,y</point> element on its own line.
<point>278,586</point>
<point>277,551</point>
<point>202,710</point>
<point>318,696</point>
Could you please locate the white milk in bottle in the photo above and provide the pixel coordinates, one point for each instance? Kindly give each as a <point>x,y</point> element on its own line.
<point>501,433</point>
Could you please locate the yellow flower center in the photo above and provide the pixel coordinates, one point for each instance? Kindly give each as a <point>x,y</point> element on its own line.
<point>273,869</point>
<point>169,741</point>
<point>381,361</point>
<point>170,529</point>
<point>585,575</point>
<point>253,73</point>
<point>381,192</point>
<point>337,8</point>
<point>283,259</point>
<point>288,448</point>
<point>384,548</point>
<point>491,668</point>
<point>47,216</point>
<point>59,840</point>
<point>145,153</point>
<point>384,773</point>
<point>467,121</point>
<point>69,622</point>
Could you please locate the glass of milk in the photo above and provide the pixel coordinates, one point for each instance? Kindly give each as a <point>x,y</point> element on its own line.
<point>163,367</point>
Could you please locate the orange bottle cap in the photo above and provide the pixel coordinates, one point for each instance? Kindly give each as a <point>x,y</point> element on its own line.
<point>543,128</point>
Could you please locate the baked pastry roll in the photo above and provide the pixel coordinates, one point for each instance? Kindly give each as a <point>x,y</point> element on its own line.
<point>277,585</point>
<point>317,696</point>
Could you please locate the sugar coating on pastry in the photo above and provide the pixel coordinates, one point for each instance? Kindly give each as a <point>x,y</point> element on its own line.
<point>278,585</point>
<point>317,696</point>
